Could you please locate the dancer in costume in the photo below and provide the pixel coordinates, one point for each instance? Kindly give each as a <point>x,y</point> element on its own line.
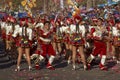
<point>24,42</point>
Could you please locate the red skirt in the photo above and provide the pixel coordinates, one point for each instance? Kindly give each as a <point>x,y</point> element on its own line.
<point>78,43</point>
<point>25,44</point>
<point>59,40</point>
<point>67,40</point>
<point>8,37</point>
<point>3,35</point>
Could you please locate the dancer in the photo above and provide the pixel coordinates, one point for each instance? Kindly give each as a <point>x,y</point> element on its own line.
<point>24,36</point>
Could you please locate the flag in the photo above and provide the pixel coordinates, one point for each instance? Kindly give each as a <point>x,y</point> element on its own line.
<point>109,1</point>
<point>69,2</point>
<point>24,3</point>
<point>61,4</point>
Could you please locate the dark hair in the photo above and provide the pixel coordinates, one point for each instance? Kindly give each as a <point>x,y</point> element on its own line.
<point>47,22</point>
<point>101,19</point>
<point>26,25</point>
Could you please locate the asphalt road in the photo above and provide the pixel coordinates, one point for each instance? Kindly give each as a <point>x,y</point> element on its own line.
<point>62,72</point>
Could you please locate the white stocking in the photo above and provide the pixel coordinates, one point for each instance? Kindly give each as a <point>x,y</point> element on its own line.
<point>103,58</point>
<point>51,59</point>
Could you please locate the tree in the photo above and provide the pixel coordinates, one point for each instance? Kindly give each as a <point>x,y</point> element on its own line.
<point>91,3</point>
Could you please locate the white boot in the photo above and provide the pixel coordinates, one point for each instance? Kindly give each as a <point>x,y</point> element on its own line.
<point>51,59</point>
<point>74,67</point>
<point>103,59</point>
<point>33,56</point>
<point>41,58</point>
<point>102,63</point>
<point>49,65</point>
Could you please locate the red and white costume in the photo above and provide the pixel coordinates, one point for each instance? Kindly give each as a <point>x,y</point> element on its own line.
<point>46,47</point>
<point>58,36</point>
<point>24,36</point>
<point>65,31</point>
<point>116,35</point>
<point>116,41</point>
<point>77,34</point>
<point>99,46</point>
<point>9,31</point>
<point>3,28</point>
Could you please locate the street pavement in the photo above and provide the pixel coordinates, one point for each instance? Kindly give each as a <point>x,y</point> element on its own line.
<point>62,72</point>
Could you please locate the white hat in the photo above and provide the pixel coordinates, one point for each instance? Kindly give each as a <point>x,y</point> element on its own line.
<point>39,25</point>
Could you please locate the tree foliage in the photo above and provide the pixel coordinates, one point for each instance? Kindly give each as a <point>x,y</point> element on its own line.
<point>49,4</point>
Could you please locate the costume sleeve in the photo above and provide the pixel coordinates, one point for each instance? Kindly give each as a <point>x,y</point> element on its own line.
<point>92,30</point>
<point>82,30</point>
<point>16,31</point>
<point>30,34</point>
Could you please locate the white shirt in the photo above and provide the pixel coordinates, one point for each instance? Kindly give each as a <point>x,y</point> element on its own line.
<point>63,29</point>
<point>19,31</point>
<point>115,31</point>
<point>8,29</point>
<point>3,25</point>
<point>81,29</point>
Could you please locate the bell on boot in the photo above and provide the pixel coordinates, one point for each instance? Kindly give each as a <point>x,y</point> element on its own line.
<point>49,66</point>
<point>88,66</point>
<point>102,67</point>
<point>37,67</point>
